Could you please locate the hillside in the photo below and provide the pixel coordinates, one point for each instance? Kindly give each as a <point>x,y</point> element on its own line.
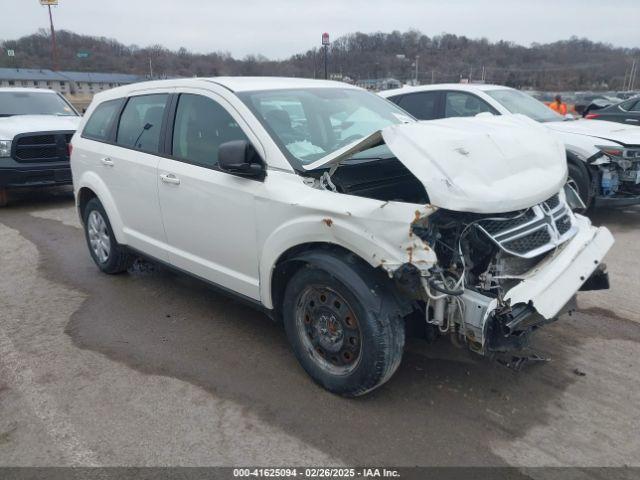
<point>572,64</point>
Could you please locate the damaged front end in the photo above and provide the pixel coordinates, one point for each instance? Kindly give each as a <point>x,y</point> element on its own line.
<point>616,175</point>
<point>501,277</point>
<point>510,253</point>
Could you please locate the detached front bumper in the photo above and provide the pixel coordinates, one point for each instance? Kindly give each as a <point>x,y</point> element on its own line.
<point>613,201</point>
<point>544,293</point>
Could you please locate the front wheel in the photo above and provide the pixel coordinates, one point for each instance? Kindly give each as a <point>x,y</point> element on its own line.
<point>107,253</point>
<point>578,178</point>
<point>347,348</point>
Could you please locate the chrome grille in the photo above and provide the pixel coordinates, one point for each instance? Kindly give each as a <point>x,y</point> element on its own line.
<point>532,232</point>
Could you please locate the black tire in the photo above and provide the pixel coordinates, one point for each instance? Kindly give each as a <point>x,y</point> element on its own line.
<point>379,348</point>
<point>4,197</point>
<point>579,175</point>
<point>117,260</point>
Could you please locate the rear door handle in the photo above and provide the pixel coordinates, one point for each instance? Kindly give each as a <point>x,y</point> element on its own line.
<point>107,162</point>
<point>169,178</point>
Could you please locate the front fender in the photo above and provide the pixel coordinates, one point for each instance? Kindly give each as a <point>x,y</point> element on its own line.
<point>381,244</point>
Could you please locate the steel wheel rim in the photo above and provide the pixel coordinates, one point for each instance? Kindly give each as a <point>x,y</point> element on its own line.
<point>329,329</point>
<point>99,236</point>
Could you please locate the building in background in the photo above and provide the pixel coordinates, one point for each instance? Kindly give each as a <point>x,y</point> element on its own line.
<point>78,87</point>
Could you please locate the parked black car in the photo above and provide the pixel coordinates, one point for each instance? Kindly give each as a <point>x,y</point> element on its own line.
<point>627,112</point>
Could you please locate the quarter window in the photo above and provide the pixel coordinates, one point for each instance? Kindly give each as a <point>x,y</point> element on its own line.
<point>99,125</point>
<point>141,121</point>
<point>200,127</point>
<point>462,104</point>
<point>422,105</point>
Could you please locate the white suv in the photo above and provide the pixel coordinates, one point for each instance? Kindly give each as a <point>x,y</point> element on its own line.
<point>331,209</point>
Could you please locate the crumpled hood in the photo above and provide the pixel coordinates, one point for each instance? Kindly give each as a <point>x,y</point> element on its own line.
<point>485,164</point>
<point>12,126</point>
<point>617,132</point>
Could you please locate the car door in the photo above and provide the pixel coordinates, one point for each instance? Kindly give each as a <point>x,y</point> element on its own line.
<point>632,115</point>
<point>627,112</point>
<point>208,214</point>
<point>130,164</point>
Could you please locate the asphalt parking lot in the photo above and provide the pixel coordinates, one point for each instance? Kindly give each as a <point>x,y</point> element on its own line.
<point>152,368</point>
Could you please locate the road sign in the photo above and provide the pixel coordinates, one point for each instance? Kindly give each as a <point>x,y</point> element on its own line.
<point>11,53</point>
<point>325,38</point>
<point>83,54</point>
<point>49,2</point>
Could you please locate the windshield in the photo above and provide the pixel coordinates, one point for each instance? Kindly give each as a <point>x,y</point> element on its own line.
<point>518,102</point>
<point>308,124</point>
<point>33,103</point>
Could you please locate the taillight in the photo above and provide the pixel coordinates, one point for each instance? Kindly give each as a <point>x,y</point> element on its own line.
<point>592,115</point>
<point>69,149</point>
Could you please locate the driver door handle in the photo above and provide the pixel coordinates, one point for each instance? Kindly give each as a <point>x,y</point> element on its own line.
<point>169,178</point>
<point>107,162</point>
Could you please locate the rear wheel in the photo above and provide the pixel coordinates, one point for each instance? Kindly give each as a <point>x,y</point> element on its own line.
<point>345,345</point>
<point>107,253</point>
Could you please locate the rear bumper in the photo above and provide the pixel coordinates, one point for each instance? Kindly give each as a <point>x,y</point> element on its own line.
<point>35,175</point>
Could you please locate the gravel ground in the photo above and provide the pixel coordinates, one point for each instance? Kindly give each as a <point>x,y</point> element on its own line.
<point>152,368</point>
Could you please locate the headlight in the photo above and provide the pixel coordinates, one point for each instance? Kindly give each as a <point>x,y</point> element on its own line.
<point>5,148</point>
<point>625,157</point>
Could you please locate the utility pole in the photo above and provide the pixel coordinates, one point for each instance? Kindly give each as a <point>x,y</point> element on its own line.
<point>54,51</point>
<point>416,77</point>
<point>150,69</point>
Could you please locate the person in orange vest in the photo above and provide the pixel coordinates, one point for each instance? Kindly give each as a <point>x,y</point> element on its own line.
<point>558,105</point>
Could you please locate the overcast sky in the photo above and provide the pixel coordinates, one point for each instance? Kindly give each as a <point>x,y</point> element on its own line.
<point>279,28</point>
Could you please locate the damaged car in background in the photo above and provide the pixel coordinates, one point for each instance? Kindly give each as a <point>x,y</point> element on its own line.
<point>603,158</point>
<point>334,211</point>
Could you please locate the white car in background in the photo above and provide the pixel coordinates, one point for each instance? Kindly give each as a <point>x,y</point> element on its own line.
<point>35,129</point>
<point>603,157</point>
<point>331,209</point>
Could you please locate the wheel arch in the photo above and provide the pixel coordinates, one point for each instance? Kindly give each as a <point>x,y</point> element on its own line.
<point>347,266</point>
<point>91,186</point>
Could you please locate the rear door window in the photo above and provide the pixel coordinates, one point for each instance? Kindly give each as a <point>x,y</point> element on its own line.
<point>201,126</point>
<point>462,104</point>
<point>100,124</point>
<point>141,121</point>
<point>422,105</point>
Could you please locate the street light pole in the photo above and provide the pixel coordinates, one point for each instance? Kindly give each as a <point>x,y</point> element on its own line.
<point>416,79</point>
<point>54,53</point>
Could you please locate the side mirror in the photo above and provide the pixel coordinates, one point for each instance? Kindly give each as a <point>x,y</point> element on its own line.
<point>239,157</point>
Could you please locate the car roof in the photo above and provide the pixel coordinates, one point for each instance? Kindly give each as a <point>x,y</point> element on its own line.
<point>233,84</point>
<point>465,87</point>
<point>27,90</point>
